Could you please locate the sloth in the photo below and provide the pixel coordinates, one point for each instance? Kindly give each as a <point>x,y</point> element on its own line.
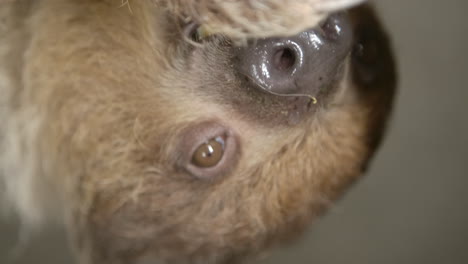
<point>187,131</point>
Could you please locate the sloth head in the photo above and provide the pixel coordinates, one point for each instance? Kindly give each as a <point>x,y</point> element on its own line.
<point>163,140</point>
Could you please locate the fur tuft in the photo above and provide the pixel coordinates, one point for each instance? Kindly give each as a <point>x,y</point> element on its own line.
<point>240,19</point>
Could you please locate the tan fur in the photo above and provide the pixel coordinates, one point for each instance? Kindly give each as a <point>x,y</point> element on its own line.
<point>243,19</point>
<point>95,97</point>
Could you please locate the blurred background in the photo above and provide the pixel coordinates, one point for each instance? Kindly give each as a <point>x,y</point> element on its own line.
<point>412,207</point>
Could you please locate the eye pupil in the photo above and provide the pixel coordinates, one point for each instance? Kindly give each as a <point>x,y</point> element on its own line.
<point>209,154</point>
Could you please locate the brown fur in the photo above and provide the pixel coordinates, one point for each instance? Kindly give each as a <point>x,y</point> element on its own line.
<point>97,98</point>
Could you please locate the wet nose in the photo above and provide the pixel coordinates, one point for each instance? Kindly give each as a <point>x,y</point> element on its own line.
<point>307,63</point>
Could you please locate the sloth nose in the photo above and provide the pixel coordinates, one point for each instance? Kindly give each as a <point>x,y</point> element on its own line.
<point>307,63</point>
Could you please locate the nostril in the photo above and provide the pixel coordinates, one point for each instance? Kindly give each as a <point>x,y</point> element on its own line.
<point>284,59</point>
<point>332,26</point>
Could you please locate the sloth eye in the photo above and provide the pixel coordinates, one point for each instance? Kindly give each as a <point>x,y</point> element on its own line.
<point>209,154</point>
<point>195,32</point>
<point>207,150</point>
<point>367,56</point>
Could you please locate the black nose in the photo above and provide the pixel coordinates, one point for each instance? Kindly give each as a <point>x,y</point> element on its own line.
<point>306,63</point>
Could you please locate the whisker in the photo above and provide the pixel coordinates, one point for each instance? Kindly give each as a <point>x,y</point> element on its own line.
<point>312,98</point>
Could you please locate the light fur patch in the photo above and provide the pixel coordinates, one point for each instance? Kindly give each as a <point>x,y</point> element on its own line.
<point>22,187</point>
<point>253,19</point>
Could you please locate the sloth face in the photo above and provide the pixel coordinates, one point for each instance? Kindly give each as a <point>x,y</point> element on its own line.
<point>163,140</point>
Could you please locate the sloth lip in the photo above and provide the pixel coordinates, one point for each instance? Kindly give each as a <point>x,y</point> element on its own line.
<point>200,133</point>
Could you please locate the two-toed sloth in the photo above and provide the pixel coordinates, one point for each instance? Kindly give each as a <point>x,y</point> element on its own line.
<point>190,131</point>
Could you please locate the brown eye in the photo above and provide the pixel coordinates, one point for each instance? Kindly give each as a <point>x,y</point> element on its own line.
<point>209,154</point>
<point>208,150</point>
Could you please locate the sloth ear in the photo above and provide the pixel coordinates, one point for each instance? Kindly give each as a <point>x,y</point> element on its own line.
<point>328,6</point>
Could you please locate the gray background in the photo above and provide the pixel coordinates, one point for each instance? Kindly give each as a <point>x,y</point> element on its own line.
<point>413,205</point>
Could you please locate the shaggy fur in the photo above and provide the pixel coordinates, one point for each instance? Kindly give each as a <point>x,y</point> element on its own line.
<point>95,97</point>
<point>243,19</point>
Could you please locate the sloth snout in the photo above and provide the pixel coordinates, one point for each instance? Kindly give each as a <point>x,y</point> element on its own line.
<point>307,63</point>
